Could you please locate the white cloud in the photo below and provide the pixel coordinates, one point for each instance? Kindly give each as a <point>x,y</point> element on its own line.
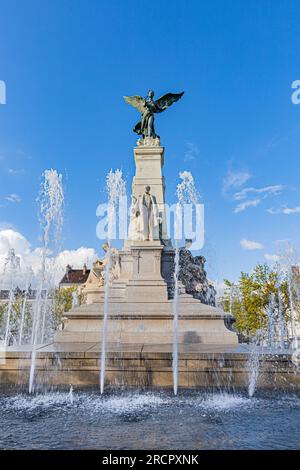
<point>11,239</point>
<point>284,210</point>
<point>282,241</point>
<point>13,172</point>
<point>291,210</point>
<point>220,287</point>
<point>244,205</point>
<point>13,198</point>
<point>192,151</point>
<point>6,226</point>
<point>266,191</point>
<point>76,258</point>
<point>235,179</point>
<point>250,245</point>
<point>272,258</point>
<point>262,192</point>
<point>31,257</point>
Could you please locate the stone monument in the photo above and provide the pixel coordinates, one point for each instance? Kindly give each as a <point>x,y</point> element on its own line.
<point>141,285</point>
<point>126,328</point>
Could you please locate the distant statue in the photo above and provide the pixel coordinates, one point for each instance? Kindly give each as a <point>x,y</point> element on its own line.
<point>148,107</point>
<point>144,218</point>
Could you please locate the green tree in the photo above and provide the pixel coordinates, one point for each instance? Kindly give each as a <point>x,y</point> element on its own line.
<point>62,302</point>
<point>249,298</point>
<point>16,314</point>
<point>3,306</point>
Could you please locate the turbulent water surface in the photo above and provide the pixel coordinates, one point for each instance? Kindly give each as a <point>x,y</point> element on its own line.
<point>138,420</point>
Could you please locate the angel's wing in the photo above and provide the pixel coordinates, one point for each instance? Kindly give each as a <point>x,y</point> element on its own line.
<point>137,101</point>
<point>166,100</point>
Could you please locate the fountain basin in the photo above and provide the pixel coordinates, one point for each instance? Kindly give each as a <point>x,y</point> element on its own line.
<point>146,366</point>
<point>137,419</point>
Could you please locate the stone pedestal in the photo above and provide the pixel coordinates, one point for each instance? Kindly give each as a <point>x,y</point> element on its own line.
<point>146,282</point>
<point>149,161</point>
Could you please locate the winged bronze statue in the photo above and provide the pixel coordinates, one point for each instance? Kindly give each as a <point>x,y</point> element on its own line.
<point>148,107</point>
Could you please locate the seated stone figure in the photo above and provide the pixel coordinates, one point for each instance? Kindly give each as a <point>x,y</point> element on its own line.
<point>97,274</point>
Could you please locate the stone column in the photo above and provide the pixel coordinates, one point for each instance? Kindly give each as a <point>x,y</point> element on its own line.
<point>149,160</point>
<point>144,280</point>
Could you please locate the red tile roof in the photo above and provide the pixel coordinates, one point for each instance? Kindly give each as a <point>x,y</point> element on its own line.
<point>75,276</point>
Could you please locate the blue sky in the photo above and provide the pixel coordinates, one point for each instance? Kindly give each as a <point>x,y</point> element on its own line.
<point>67,64</point>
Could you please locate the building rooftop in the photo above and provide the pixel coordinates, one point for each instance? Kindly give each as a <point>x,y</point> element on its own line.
<point>31,294</point>
<point>75,276</point>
